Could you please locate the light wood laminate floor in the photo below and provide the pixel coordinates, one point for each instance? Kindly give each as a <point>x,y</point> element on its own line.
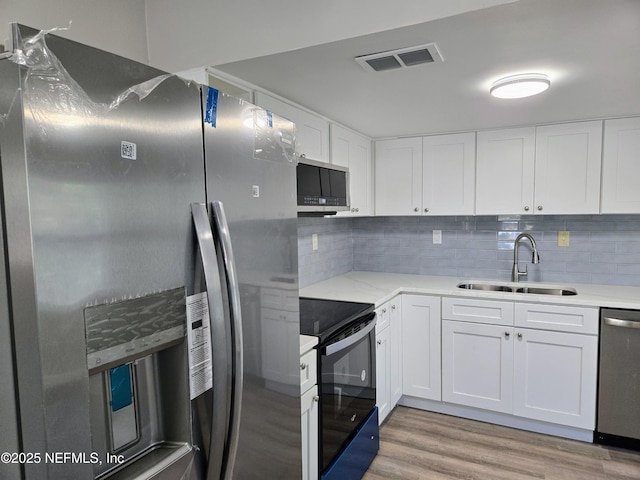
<point>422,445</point>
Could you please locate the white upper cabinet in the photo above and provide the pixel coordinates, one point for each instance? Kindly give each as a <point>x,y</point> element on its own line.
<point>398,176</point>
<point>551,169</point>
<point>425,175</point>
<point>312,131</point>
<point>448,174</point>
<point>505,171</point>
<point>568,163</point>
<point>351,150</point>
<point>621,166</point>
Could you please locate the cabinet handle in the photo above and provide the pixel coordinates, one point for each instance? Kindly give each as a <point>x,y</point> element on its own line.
<point>426,210</point>
<point>519,336</point>
<point>353,210</point>
<point>357,209</point>
<point>507,334</point>
<point>539,208</point>
<point>303,366</point>
<point>302,155</point>
<point>316,398</point>
<point>384,310</point>
<point>526,208</point>
<point>393,307</point>
<point>416,209</point>
<point>379,342</point>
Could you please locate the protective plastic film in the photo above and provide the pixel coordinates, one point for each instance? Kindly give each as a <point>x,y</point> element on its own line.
<point>55,90</point>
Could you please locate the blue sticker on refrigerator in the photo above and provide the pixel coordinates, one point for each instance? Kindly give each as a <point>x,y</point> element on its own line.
<point>212,107</point>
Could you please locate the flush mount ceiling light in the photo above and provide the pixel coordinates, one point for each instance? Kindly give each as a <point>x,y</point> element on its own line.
<point>520,86</point>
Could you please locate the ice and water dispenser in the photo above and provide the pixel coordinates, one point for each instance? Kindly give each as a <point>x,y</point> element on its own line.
<point>139,387</point>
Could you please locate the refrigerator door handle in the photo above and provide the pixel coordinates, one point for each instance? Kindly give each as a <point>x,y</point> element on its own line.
<point>219,341</point>
<point>222,229</point>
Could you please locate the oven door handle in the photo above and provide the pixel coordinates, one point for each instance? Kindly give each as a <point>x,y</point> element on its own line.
<point>350,340</point>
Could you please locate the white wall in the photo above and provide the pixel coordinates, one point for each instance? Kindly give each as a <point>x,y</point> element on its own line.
<point>193,33</point>
<point>118,26</point>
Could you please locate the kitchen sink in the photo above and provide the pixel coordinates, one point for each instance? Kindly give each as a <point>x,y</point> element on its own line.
<point>547,291</point>
<point>516,288</point>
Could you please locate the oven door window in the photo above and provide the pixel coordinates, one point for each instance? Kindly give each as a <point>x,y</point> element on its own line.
<point>348,392</point>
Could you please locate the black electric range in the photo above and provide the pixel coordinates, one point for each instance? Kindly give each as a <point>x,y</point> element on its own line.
<point>348,418</point>
<point>323,318</point>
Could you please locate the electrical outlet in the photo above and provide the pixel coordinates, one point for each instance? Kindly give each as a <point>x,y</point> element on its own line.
<point>314,242</point>
<point>437,237</point>
<point>563,238</point>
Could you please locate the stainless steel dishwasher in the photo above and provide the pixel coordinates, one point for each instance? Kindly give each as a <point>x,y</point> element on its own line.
<point>618,421</point>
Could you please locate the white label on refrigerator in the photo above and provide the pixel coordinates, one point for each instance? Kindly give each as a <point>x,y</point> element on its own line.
<point>199,342</point>
<point>128,150</point>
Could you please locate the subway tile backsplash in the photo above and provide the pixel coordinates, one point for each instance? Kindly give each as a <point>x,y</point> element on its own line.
<point>603,249</point>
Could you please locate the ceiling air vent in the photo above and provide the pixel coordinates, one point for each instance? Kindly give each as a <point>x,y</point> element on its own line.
<point>400,58</point>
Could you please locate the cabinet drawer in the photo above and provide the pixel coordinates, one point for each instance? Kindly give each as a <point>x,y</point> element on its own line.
<point>561,318</point>
<point>383,315</point>
<point>479,311</point>
<point>308,370</point>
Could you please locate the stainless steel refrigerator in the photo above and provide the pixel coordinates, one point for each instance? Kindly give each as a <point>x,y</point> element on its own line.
<point>148,290</point>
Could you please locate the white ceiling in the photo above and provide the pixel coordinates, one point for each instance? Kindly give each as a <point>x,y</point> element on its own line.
<point>590,49</point>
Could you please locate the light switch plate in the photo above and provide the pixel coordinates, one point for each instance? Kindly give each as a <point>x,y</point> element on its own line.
<point>437,237</point>
<point>314,241</point>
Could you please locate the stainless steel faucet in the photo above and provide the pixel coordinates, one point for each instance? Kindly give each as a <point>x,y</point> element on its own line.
<point>515,272</point>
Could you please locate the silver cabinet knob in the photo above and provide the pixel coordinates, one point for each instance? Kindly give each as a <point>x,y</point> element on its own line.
<point>526,208</point>
<point>384,310</point>
<point>539,208</point>
<point>303,366</point>
<point>302,155</point>
<point>316,398</point>
<point>416,209</point>
<point>357,209</point>
<point>507,334</point>
<point>353,210</point>
<point>393,307</point>
<point>379,342</point>
<point>426,210</point>
<point>519,336</point>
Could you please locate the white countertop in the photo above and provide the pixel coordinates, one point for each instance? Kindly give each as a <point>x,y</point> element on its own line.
<point>377,288</point>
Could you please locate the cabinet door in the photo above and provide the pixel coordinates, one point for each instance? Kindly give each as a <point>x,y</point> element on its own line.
<point>309,423</point>
<point>621,166</point>
<point>505,171</point>
<point>398,177</point>
<point>555,377</point>
<point>448,174</point>
<point>477,365</point>
<point>312,131</point>
<point>568,162</point>
<point>383,372</point>
<point>354,151</point>
<point>421,346</point>
<point>312,136</point>
<point>395,351</point>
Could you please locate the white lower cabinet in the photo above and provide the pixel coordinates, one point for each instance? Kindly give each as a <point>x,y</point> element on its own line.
<point>555,377</point>
<point>309,407</point>
<point>421,346</point>
<point>383,374</point>
<point>548,375</point>
<point>477,365</point>
<point>388,357</point>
